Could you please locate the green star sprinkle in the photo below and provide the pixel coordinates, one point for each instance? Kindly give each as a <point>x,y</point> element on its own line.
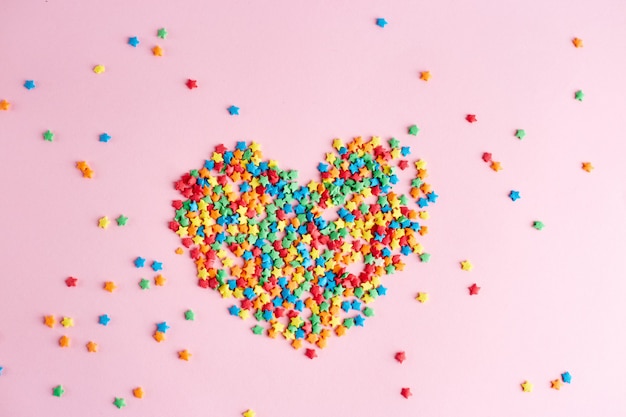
<point>425,257</point>
<point>538,225</point>
<point>579,95</point>
<point>48,135</point>
<point>119,402</point>
<point>520,133</point>
<point>257,329</point>
<point>144,284</point>
<point>190,315</point>
<point>162,33</point>
<point>121,220</point>
<point>413,130</point>
<point>393,142</point>
<point>58,391</point>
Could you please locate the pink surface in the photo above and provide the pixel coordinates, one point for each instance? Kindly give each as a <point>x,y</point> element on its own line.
<point>302,74</point>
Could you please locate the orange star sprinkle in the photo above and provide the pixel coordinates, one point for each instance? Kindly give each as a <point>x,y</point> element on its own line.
<point>157,51</point>
<point>184,355</point>
<point>109,286</point>
<point>92,347</point>
<point>425,75</point>
<point>159,280</point>
<point>179,251</point>
<point>578,43</point>
<point>556,384</point>
<point>64,341</point>
<point>587,166</point>
<point>138,392</point>
<point>5,105</point>
<point>159,336</point>
<point>49,321</point>
<point>496,166</point>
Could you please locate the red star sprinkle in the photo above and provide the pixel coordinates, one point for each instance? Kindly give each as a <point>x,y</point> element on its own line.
<point>473,289</point>
<point>191,84</point>
<point>400,357</point>
<point>406,392</point>
<point>471,118</point>
<point>71,281</point>
<point>310,353</point>
<point>487,157</point>
<point>403,164</point>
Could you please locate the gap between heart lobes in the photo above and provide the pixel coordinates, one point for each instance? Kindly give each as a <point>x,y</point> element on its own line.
<point>304,261</point>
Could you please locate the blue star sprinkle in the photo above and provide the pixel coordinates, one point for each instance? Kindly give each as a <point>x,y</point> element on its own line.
<point>105,137</point>
<point>29,84</point>
<point>233,110</point>
<point>140,262</point>
<point>104,319</point>
<point>133,41</point>
<point>381,22</point>
<point>514,195</point>
<point>157,266</point>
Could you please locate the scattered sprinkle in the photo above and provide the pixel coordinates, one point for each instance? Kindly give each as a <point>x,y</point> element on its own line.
<point>92,347</point>
<point>85,169</point>
<point>473,289</point>
<point>121,220</point>
<point>400,356</point>
<point>413,130</point>
<point>157,51</point>
<point>527,386</point>
<point>48,136</point>
<point>29,84</point>
<point>381,22</point>
<point>310,353</point>
<point>514,195</point>
<point>103,222</point>
<point>520,133</point>
<point>104,319</point>
<point>162,327</point>
<point>556,384</point>
<point>191,84</point>
<point>64,341</point>
<point>159,280</point>
<point>110,286</point>
<point>406,392</point>
<point>138,392</point>
<point>233,110</point>
<point>5,105</point>
<point>162,33</point>
<point>579,95</point>
<point>422,297</point>
<point>578,43</point>
<point>587,166</point>
<point>134,41</point>
<point>486,157</point>
<point>496,166</point>
<point>156,266</point>
<point>119,402</point>
<point>58,391</point>
<point>71,281</point>
<point>190,315</point>
<point>466,265</point>
<point>159,336</point>
<point>144,284</point>
<point>471,118</point>
<point>49,321</point>
<point>179,251</point>
<point>67,322</point>
<point>184,355</point>
<point>139,262</point>
<point>566,377</point>
<point>105,137</point>
<point>538,225</point>
<point>99,69</point>
<point>248,413</point>
<point>425,75</point>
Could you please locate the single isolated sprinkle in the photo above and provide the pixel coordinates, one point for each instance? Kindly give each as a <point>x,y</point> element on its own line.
<point>64,341</point>
<point>473,289</point>
<point>103,222</point>
<point>67,322</point>
<point>422,297</point>
<point>48,135</point>
<point>162,33</point>
<point>92,347</point>
<point>471,118</point>
<point>538,225</point>
<point>406,392</point>
<point>400,356</point>
<point>496,166</point>
<point>119,402</point>
<point>425,75</point>
<point>487,157</point>
<point>121,220</point>
<point>258,330</point>
<point>29,84</point>
<point>138,392</point>
<point>190,315</point>
<point>105,137</point>
<point>58,391</point>
<point>587,166</point>
<point>191,84</point>
<point>179,251</point>
<point>144,284</point>
<point>579,95</point>
<point>556,384</point>
<point>86,170</point>
<point>233,110</point>
<point>466,265</point>
<point>527,386</point>
<point>49,321</point>
<point>566,377</point>
<point>184,355</point>
<point>134,41</point>
<point>157,51</point>
<point>99,69</point>
<point>578,43</point>
<point>310,353</point>
<point>1,369</point>
<point>5,105</point>
<point>413,130</point>
<point>520,133</point>
<point>104,319</point>
<point>110,286</point>
<point>514,195</point>
<point>381,22</point>
<point>71,281</point>
<point>248,413</point>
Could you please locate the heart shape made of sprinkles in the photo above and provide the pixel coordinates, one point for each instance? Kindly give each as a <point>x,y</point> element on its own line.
<point>285,252</point>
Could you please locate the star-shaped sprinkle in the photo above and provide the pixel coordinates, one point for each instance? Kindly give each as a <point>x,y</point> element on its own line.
<point>49,321</point>
<point>1,369</point>
<point>110,286</point>
<point>162,327</point>
<point>103,222</point>
<point>425,75</point>
<point>248,413</point>
<point>527,386</point>
<point>471,118</point>
<point>64,341</point>
<point>119,402</point>
<point>5,105</point>
<point>92,347</point>
<point>258,330</point>
<point>579,95</point>
<point>58,391</point>
<point>486,156</point>
<point>162,33</point>
<point>157,266</point>
<point>566,377</point>
<point>466,265</point>
<point>190,315</point>
<point>159,280</point>
<point>578,43</point>
<point>121,220</point>
<point>105,137</point>
<point>144,284</point>
<point>67,322</point>
<point>138,392</point>
<point>179,251</point>
<point>425,257</point>
<point>538,225</point>
<point>422,297</point>
<point>184,355</point>
<point>104,319</point>
<point>99,69</point>
<point>157,51</point>
<point>587,166</point>
<point>520,133</point>
<point>29,84</point>
<point>191,84</point>
<point>48,136</point>
<point>71,281</point>
<point>496,166</point>
<point>381,22</point>
<point>159,336</point>
<point>139,262</point>
<point>514,195</point>
<point>400,356</point>
<point>134,41</point>
<point>413,130</point>
<point>233,110</point>
<point>406,392</point>
<point>403,164</point>
<point>556,384</point>
<point>473,289</point>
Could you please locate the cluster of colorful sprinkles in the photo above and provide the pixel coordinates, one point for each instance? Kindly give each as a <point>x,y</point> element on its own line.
<point>286,252</point>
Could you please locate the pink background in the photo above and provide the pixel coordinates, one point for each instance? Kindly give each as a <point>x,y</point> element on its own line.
<point>304,73</point>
